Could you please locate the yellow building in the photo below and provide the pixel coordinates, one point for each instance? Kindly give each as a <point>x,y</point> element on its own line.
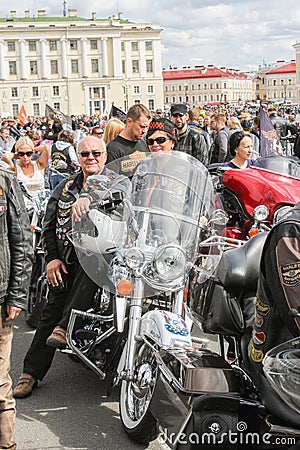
<point>78,65</point>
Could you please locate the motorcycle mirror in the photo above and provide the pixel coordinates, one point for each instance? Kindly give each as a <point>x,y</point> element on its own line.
<point>219,217</point>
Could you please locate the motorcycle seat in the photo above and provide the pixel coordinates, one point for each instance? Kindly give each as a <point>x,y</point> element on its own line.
<point>238,269</point>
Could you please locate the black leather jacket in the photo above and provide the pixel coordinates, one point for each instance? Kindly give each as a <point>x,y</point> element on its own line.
<point>15,243</point>
<point>58,219</point>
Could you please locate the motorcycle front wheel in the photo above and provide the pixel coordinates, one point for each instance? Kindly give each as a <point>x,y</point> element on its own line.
<point>136,396</point>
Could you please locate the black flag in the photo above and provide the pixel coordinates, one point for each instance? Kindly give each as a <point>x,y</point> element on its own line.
<point>56,114</point>
<point>117,112</point>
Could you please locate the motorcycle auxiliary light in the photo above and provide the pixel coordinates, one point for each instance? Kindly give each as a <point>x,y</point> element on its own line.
<point>134,258</point>
<point>280,213</point>
<point>169,262</point>
<point>260,213</point>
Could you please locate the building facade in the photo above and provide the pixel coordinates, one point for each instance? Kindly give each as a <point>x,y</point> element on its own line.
<point>207,86</point>
<point>297,49</point>
<point>78,65</point>
<point>281,85</point>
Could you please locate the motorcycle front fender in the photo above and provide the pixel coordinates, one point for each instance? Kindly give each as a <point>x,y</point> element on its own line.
<point>166,329</point>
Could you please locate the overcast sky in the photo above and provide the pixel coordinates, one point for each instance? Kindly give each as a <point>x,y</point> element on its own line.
<point>238,34</point>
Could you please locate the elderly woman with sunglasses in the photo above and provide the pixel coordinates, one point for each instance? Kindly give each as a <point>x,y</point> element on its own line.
<point>29,172</point>
<point>161,136</point>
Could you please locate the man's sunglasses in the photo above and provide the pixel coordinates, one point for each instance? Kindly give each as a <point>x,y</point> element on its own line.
<point>95,154</point>
<point>178,115</point>
<point>98,132</point>
<point>25,153</point>
<point>158,140</point>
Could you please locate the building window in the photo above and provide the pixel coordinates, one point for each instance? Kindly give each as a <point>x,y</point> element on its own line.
<point>122,46</point>
<point>274,82</point>
<point>123,66</point>
<point>148,46</point>
<point>54,66</point>
<point>179,87</point>
<point>193,87</point>
<point>150,89</point>
<point>14,92</point>
<point>94,44</point>
<point>74,65</point>
<point>180,99</point>
<point>205,98</point>
<point>199,87</point>
<point>95,65</point>
<point>12,67</point>
<point>136,89</point>
<point>11,46</point>
<point>149,65</point>
<point>33,67</point>
<point>94,92</point>
<point>225,85</point>
<point>15,109</point>
<point>135,66</point>
<point>167,99</point>
<point>173,99</point>
<point>32,46</point>
<point>53,45</point>
<point>36,109</point>
<point>193,99</point>
<point>56,105</point>
<point>151,105</point>
<point>35,91</point>
<point>73,44</point>
<point>199,98</point>
<point>55,90</point>
<point>166,88</point>
<point>134,46</point>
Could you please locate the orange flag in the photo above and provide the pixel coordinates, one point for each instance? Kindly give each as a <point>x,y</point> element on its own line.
<point>22,116</point>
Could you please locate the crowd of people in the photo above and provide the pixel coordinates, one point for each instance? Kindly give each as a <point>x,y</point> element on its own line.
<point>43,154</point>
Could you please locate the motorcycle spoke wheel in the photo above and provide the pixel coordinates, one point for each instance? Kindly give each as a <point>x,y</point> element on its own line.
<point>135,399</point>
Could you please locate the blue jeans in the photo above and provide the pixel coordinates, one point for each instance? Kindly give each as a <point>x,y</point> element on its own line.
<point>55,179</point>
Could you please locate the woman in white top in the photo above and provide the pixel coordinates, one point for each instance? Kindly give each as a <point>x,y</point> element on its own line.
<point>31,173</point>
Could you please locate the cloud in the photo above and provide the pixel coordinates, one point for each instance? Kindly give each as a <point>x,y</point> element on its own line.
<point>230,33</point>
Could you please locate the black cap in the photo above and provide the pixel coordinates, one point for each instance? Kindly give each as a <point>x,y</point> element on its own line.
<point>158,111</point>
<point>162,124</point>
<point>178,108</point>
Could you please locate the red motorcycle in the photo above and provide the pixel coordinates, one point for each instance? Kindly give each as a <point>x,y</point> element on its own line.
<point>257,197</point>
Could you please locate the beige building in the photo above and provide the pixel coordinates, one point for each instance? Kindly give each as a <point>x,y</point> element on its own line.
<point>281,86</point>
<point>78,65</point>
<point>297,49</point>
<point>207,86</point>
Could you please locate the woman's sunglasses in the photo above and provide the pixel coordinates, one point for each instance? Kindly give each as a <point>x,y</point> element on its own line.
<point>158,140</point>
<point>25,153</point>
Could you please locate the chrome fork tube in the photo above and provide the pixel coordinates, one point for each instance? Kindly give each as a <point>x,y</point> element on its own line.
<point>178,303</point>
<point>135,314</point>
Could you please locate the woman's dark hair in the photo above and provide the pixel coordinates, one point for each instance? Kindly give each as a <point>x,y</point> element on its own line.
<point>235,140</point>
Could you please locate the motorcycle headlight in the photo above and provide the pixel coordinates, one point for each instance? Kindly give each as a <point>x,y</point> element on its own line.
<point>260,213</point>
<point>281,365</point>
<point>278,215</point>
<point>134,258</point>
<point>169,262</point>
